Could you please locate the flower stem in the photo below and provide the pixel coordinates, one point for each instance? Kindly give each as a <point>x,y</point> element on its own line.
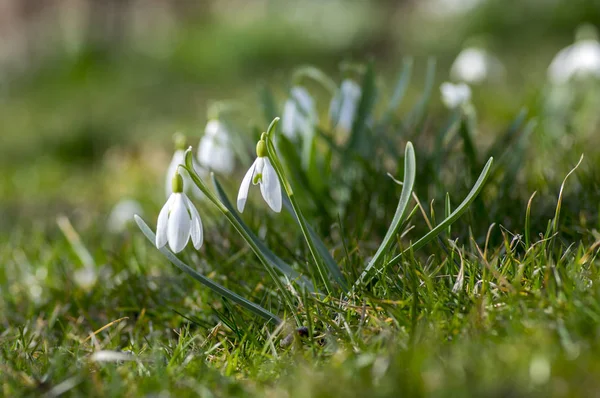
<point>287,298</point>
<point>288,189</point>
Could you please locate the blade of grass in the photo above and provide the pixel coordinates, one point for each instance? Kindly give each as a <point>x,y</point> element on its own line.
<point>460,210</point>
<point>405,195</point>
<point>399,90</point>
<point>359,141</point>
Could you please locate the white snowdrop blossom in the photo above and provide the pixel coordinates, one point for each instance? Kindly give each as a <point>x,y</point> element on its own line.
<point>178,220</point>
<point>261,172</point>
<point>474,65</point>
<point>299,113</point>
<point>122,214</point>
<point>455,95</point>
<point>342,109</point>
<point>214,150</point>
<point>581,59</point>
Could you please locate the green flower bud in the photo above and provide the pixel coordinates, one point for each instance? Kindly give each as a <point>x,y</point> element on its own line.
<point>177,183</point>
<point>261,148</point>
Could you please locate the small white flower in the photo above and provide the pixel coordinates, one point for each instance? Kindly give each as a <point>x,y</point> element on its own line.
<point>261,172</point>
<point>580,59</point>
<point>299,113</point>
<point>342,109</point>
<point>214,150</point>
<point>178,220</point>
<point>455,95</point>
<point>122,214</point>
<point>474,65</point>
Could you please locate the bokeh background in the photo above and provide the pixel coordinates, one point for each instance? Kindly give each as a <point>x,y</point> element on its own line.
<point>91,91</point>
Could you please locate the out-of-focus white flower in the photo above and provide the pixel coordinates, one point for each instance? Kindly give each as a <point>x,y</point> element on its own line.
<point>580,59</point>
<point>85,277</point>
<point>179,159</point>
<point>299,113</point>
<point>261,172</point>
<point>474,65</point>
<point>455,95</point>
<point>122,214</point>
<point>214,150</point>
<point>342,109</point>
<point>112,356</point>
<point>178,220</point>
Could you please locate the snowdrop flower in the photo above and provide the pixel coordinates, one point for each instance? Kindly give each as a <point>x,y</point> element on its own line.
<point>214,150</point>
<point>299,113</point>
<point>122,214</point>
<point>474,65</point>
<point>179,159</point>
<point>343,105</point>
<point>580,59</point>
<point>455,95</point>
<point>261,172</point>
<point>178,220</point>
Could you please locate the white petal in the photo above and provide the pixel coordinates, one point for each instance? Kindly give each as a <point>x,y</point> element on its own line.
<point>270,187</point>
<point>178,231</point>
<point>243,192</point>
<point>162,223</point>
<point>196,230</point>
<point>288,119</point>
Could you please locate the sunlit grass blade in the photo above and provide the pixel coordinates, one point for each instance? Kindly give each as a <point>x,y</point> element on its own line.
<point>278,263</point>
<point>215,287</point>
<point>405,195</point>
<point>321,248</point>
<point>460,210</point>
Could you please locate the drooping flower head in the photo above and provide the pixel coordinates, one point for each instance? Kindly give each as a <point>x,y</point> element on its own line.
<point>214,150</point>
<point>474,65</point>
<point>581,59</point>
<point>122,214</point>
<point>262,173</point>
<point>455,95</point>
<point>342,109</point>
<point>178,220</point>
<point>299,114</point>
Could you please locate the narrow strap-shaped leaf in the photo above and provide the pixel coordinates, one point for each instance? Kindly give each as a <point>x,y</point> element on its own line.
<point>416,114</point>
<point>215,287</point>
<point>455,215</point>
<point>267,103</point>
<point>315,74</point>
<point>359,141</point>
<point>277,262</point>
<point>321,248</point>
<point>502,143</point>
<point>405,195</point>
<point>399,90</point>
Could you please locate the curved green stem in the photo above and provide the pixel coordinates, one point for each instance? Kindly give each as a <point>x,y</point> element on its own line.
<point>211,196</point>
<point>302,222</point>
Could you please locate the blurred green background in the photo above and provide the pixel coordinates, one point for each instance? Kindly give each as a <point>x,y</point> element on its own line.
<point>91,91</point>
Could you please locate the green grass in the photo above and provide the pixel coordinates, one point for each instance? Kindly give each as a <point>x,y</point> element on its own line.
<point>505,302</point>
